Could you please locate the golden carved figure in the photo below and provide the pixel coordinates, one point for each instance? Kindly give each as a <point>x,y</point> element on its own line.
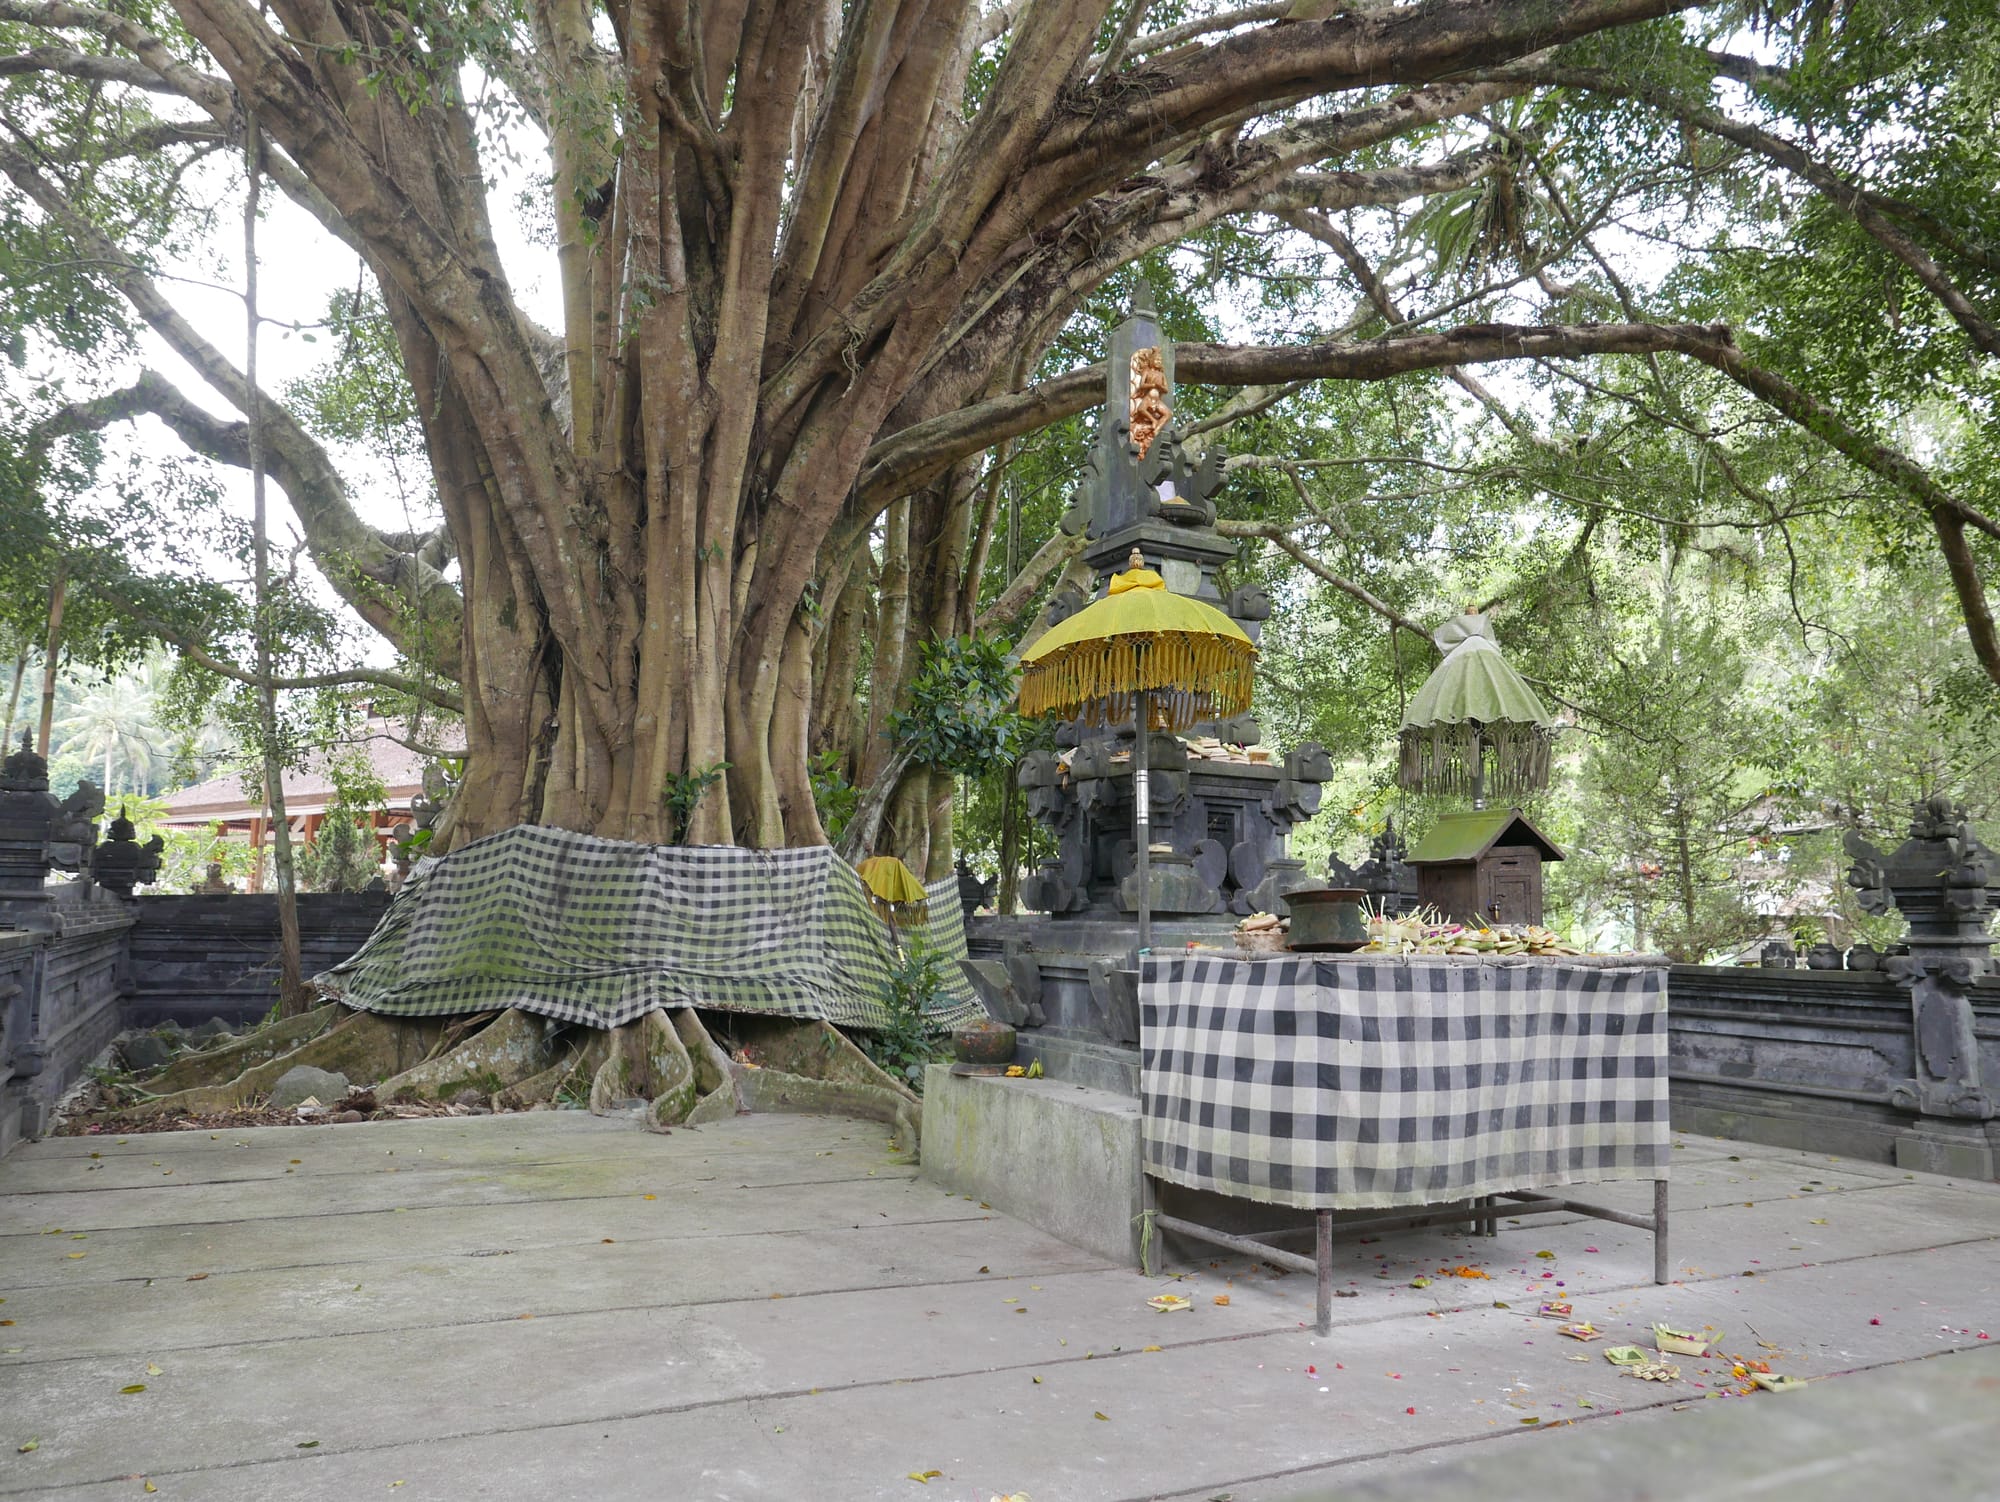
<point>1149,397</point>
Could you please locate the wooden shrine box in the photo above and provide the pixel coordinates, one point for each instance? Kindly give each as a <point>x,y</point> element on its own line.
<point>1483,867</point>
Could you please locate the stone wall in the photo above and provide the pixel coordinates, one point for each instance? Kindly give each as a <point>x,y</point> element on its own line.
<point>83,965</point>
<point>60,996</point>
<point>1810,1059</point>
<point>193,958</point>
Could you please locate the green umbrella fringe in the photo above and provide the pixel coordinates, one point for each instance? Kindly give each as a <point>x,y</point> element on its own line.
<point>1439,759</point>
<point>1189,679</point>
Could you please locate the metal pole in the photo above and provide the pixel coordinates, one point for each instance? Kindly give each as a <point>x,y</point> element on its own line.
<point>1478,769</point>
<point>1323,1256</point>
<point>1142,821</point>
<point>1660,1231</point>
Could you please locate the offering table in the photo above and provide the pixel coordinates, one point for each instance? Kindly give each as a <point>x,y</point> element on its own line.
<point>1447,1088</point>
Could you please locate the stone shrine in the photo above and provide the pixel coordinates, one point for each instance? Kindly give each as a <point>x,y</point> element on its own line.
<point>1223,812</point>
<point>1221,804</point>
<point>39,833</point>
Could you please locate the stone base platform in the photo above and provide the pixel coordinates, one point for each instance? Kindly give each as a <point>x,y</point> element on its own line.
<point>1061,1156</point>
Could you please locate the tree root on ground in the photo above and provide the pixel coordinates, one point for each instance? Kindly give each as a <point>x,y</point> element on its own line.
<point>218,1066</point>
<point>361,1046</point>
<point>682,1071</point>
<point>648,1061</point>
<point>714,1071</point>
<point>510,1047</point>
<point>805,1065</point>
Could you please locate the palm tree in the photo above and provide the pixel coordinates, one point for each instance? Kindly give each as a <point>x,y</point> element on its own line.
<point>113,718</point>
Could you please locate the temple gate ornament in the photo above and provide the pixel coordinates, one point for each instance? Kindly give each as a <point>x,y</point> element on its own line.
<point>1148,411</point>
<point>37,833</point>
<point>1946,884</point>
<point>120,863</point>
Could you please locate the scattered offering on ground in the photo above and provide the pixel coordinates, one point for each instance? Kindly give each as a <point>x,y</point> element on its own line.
<point>1680,1342</point>
<point>1654,1371</point>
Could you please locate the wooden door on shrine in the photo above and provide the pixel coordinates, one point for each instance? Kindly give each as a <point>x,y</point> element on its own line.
<point>1512,885</point>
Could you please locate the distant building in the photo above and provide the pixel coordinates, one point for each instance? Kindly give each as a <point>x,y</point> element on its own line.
<point>220,804</point>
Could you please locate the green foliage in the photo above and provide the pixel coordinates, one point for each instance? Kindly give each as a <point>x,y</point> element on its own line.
<point>416,845</point>
<point>833,795</point>
<point>916,992</point>
<point>341,857</point>
<point>344,855</point>
<point>683,794</point>
<point>960,715</point>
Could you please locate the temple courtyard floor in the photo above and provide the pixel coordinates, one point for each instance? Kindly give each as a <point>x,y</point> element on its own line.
<point>558,1306</point>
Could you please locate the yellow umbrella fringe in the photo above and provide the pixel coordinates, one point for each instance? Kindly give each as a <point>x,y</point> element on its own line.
<point>889,880</point>
<point>1191,678</point>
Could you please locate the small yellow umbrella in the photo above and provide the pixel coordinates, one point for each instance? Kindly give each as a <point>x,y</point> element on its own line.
<point>892,884</point>
<point>1165,659</point>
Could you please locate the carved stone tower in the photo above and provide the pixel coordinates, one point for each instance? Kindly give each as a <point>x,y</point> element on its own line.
<point>1224,815</point>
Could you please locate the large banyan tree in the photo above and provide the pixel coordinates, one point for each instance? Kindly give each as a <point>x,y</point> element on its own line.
<point>810,256</point>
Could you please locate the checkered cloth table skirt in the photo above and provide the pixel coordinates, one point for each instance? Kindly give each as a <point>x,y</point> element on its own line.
<point>1355,1083</point>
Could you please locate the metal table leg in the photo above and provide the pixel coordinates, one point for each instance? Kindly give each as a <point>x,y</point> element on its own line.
<point>1659,1230</point>
<point>1323,1323</point>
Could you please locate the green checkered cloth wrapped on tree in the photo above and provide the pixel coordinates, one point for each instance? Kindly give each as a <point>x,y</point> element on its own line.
<point>602,931</point>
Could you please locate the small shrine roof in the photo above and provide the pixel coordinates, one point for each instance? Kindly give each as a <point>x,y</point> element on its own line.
<point>1469,835</point>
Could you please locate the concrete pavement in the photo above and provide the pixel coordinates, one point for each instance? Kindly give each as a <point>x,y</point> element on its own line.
<point>557,1306</point>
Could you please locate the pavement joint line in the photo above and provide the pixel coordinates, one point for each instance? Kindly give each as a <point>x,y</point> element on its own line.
<point>747,1300</point>
<point>1525,1223</point>
<point>262,1220</point>
<point>1358,1320</point>
<point>539,1199</point>
<point>1664,1400</point>
<point>669,1409</point>
<point>1610,1288</point>
<point>546,1246</point>
<point>507,1165</point>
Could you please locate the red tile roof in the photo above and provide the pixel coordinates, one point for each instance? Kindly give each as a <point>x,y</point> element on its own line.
<point>308,789</point>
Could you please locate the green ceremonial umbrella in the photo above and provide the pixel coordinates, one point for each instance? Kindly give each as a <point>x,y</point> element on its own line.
<point>1475,727</point>
<point>1165,659</point>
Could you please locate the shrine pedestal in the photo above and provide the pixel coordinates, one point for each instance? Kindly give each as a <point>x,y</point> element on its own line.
<point>1960,1149</point>
<point>1070,985</point>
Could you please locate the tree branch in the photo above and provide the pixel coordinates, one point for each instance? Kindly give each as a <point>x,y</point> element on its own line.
<point>1868,210</point>
<point>1971,593</point>
<point>430,693</point>
<point>1280,535</point>
<point>1188,31</point>
<point>1110,130</point>
<point>905,460</point>
<point>395,590</point>
<point>1052,555</point>
<point>96,66</point>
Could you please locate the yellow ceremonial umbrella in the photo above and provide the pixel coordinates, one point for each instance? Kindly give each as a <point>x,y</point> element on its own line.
<point>892,884</point>
<point>1165,659</point>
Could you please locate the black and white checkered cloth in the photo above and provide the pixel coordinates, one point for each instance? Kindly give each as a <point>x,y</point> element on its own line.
<point>1355,1083</point>
<point>602,931</point>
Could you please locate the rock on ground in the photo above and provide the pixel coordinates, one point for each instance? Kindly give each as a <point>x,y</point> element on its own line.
<point>295,1085</point>
<point>143,1053</point>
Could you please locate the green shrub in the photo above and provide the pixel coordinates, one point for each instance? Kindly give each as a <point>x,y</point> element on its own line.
<point>913,1037</point>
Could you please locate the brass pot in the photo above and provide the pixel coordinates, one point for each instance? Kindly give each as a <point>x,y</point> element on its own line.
<point>1328,918</point>
<point>984,1043</point>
